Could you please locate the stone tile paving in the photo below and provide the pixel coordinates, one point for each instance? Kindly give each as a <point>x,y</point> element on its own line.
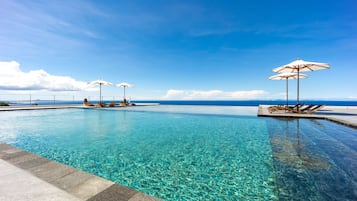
<point>346,115</point>
<point>41,179</point>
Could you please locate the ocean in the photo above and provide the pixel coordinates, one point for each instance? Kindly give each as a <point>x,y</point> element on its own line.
<point>249,102</point>
<point>199,102</point>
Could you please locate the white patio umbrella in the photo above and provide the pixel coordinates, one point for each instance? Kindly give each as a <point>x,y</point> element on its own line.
<point>124,85</point>
<point>298,66</point>
<point>287,76</point>
<point>100,83</point>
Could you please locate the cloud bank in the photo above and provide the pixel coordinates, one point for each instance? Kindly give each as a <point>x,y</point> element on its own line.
<point>13,78</point>
<point>212,94</point>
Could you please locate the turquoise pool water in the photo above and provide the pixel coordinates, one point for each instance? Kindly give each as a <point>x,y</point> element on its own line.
<point>195,153</point>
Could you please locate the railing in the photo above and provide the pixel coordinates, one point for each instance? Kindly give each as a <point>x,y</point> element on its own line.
<point>38,99</point>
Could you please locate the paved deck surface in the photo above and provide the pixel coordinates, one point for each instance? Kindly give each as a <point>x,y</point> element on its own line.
<point>26,177</point>
<point>40,107</point>
<point>45,107</point>
<point>346,115</point>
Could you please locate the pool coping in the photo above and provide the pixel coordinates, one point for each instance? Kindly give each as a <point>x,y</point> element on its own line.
<point>78,184</point>
<point>54,106</point>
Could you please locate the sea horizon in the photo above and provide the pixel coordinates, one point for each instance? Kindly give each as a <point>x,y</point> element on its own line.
<point>193,102</point>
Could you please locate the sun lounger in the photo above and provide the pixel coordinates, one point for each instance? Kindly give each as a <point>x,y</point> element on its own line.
<point>100,104</point>
<point>295,106</point>
<point>308,109</point>
<point>284,107</point>
<point>87,103</point>
<point>276,108</point>
<point>298,108</point>
<point>314,109</point>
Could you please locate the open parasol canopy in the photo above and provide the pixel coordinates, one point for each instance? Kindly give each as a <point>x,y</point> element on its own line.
<point>100,83</point>
<point>298,66</point>
<point>287,76</point>
<point>124,85</point>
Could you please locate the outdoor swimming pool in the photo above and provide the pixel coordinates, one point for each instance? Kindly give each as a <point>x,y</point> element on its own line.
<point>195,153</point>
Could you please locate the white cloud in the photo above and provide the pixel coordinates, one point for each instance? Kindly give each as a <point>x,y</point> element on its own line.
<point>172,94</point>
<point>13,78</point>
<point>212,94</point>
<point>247,94</point>
<point>352,97</point>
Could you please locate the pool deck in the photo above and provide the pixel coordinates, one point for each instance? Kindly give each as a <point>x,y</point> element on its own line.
<point>346,115</point>
<point>45,107</point>
<point>26,176</point>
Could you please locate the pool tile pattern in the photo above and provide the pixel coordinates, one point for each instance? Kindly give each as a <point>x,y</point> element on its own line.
<point>77,183</point>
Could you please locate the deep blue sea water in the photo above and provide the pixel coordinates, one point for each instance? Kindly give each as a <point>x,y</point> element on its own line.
<point>249,102</point>
<point>203,102</point>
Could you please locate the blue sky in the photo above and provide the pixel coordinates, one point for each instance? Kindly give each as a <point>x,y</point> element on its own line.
<point>176,49</point>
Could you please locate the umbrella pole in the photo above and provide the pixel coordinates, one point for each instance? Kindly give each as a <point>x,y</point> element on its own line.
<point>124,94</point>
<point>298,90</point>
<point>287,96</point>
<point>100,93</point>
